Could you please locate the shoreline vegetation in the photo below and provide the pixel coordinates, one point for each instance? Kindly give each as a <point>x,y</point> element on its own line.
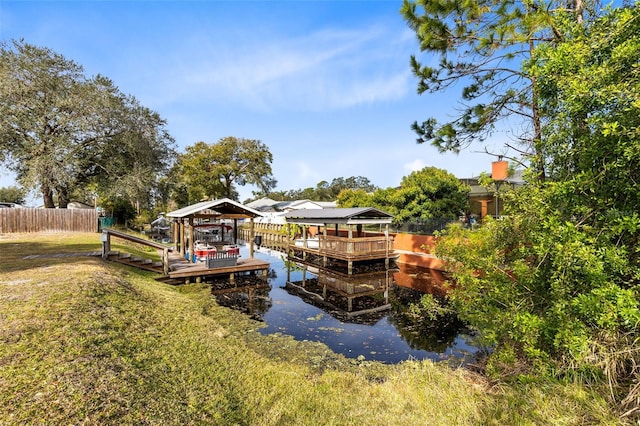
<point>92,342</point>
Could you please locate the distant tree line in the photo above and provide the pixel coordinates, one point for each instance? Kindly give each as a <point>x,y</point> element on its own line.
<point>324,191</point>
<point>12,194</point>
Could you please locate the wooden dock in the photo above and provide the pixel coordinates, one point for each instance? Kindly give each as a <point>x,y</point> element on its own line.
<point>182,269</point>
<point>173,267</point>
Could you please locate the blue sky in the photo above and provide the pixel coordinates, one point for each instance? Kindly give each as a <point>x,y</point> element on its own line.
<point>326,85</point>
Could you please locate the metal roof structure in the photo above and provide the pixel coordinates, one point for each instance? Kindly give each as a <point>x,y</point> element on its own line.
<point>348,216</point>
<point>223,208</point>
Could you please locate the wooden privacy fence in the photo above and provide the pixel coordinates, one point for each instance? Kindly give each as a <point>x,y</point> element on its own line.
<point>48,220</point>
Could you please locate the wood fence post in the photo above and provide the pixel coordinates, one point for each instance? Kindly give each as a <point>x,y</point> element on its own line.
<point>106,244</point>
<point>165,261</point>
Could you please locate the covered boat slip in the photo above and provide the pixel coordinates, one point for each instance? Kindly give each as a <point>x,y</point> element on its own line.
<point>189,223</point>
<point>333,241</point>
<point>214,253</point>
<point>188,260</point>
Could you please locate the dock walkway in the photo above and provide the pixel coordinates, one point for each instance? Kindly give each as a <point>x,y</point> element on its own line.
<point>180,268</point>
<point>173,267</point>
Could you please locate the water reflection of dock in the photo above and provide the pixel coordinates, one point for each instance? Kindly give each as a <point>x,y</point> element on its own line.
<point>359,298</point>
<point>248,294</point>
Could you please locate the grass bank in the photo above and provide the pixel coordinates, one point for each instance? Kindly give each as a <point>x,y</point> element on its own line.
<point>84,341</point>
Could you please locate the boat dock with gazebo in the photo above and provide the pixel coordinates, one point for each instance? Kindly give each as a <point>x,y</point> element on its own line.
<point>335,243</point>
<point>217,253</point>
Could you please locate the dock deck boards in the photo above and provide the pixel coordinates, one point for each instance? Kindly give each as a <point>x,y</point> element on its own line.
<point>181,268</point>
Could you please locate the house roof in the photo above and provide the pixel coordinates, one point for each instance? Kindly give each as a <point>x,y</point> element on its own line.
<point>267,204</point>
<point>261,203</point>
<point>349,216</point>
<point>223,208</point>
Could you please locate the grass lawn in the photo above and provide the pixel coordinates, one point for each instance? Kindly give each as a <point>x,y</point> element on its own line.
<point>84,341</point>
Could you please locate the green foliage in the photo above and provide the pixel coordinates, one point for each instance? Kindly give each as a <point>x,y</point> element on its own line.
<point>325,191</point>
<point>209,171</point>
<point>483,44</point>
<point>354,198</point>
<point>121,209</point>
<point>541,283</point>
<point>430,193</point>
<point>61,131</point>
<point>555,284</point>
<point>431,308</point>
<point>12,194</point>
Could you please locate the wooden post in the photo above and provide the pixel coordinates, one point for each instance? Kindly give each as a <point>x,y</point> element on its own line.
<point>304,242</point>
<point>323,247</point>
<point>388,245</point>
<point>251,237</point>
<point>165,261</point>
<point>235,230</point>
<point>191,236</point>
<point>106,244</point>
<point>176,235</point>
<point>288,241</point>
<point>182,235</point>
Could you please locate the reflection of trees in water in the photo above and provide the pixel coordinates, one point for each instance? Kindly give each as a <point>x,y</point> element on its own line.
<point>249,295</point>
<point>416,327</point>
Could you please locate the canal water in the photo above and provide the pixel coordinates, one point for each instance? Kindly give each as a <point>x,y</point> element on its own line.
<point>365,316</point>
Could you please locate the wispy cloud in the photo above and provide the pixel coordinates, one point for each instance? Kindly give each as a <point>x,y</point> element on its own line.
<point>327,69</point>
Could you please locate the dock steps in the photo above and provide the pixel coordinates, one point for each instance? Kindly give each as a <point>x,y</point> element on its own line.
<point>137,261</point>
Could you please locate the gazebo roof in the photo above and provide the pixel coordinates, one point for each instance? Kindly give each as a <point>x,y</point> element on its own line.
<point>223,208</point>
<point>348,216</point>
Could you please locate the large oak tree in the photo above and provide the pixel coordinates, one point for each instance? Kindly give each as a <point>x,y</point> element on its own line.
<point>214,170</point>
<point>61,131</point>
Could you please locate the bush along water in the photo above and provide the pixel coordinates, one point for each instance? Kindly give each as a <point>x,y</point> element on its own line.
<point>554,296</point>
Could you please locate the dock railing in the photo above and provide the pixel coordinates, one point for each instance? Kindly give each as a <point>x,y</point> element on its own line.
<point>107,233</point>
<point>355,247</point>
